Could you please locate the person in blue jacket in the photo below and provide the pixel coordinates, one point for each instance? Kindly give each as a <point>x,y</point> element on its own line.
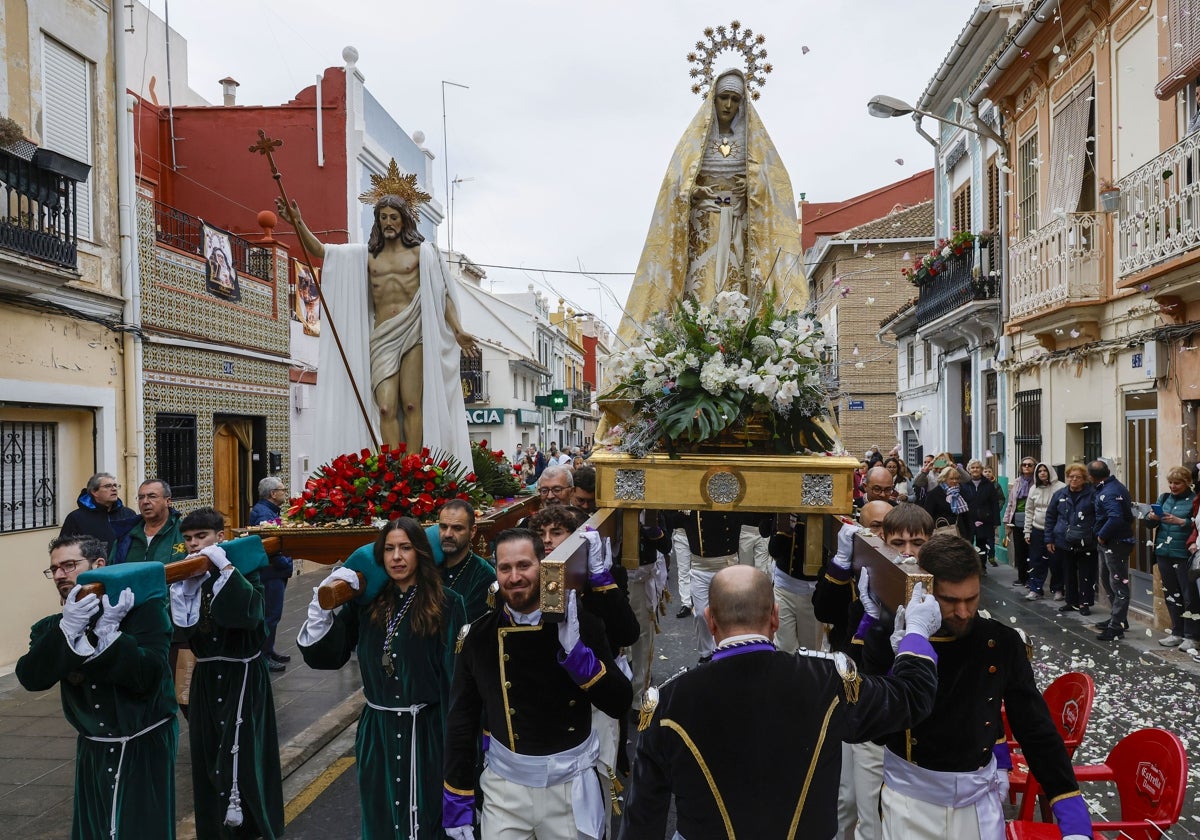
<point>1070,536</point>
<point>272,496</point>
<point>99,508</point>
<point>1114,544</point>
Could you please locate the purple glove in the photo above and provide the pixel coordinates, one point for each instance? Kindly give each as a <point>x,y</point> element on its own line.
<point>1072,816</point>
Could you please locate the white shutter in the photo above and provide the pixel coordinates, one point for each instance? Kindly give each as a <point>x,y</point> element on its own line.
<point>66,116</point>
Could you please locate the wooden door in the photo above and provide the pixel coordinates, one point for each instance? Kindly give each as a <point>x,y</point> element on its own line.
<point>227,459</point>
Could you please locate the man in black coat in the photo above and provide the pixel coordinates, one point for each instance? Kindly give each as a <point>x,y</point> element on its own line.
<point>99,507</point>
<point>726,775</point>
<point>272,496</point>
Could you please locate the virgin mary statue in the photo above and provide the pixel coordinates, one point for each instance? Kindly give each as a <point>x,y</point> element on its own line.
<point>724,218</point>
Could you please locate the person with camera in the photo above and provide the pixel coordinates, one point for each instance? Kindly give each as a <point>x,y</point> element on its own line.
<point>1173,518</point>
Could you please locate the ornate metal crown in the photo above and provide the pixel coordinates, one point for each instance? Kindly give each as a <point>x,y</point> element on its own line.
<point>720,39</point>
<point>393,183</point>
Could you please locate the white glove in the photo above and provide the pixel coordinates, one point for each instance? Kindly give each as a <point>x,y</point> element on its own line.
<point>596,564</point>
<point>460,832</point>
<point>899,632</point>
<point>845,549</point>
<point>869,602</point>
<point>568,628</point>
<point>923,614</point>
<point>185,600</point>
<point>76,616</point>
<point>109,625</point>
<point>319,619</point>
<point>343,574</point>
<point>217,555</point>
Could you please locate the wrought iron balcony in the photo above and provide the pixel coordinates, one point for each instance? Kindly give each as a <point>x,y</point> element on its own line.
<point>39,218</point>
<point>186,233</point>
<point>580,400</point>
<point>1159,212</point>
<point>1059,263</point>
<point>954,286</point>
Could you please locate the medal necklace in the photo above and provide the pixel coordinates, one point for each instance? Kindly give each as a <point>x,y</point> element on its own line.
<point>394,618</point>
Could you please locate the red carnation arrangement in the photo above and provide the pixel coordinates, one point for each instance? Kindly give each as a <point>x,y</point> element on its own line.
<point>360,488</point>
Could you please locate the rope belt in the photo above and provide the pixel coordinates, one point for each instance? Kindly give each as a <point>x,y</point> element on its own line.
<point>122,740</point>
<point>414,820</point>
<point>233,813</point>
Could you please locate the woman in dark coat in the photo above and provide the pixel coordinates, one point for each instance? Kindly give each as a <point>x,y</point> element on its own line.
<point>946,504</point>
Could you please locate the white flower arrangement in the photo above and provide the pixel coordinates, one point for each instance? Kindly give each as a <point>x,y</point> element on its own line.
<point>705,368</point>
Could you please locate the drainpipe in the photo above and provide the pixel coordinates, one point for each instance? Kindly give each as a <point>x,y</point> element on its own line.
<point>123,106</point>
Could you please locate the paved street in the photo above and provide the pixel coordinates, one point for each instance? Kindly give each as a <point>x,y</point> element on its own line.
<point>1138,684</point>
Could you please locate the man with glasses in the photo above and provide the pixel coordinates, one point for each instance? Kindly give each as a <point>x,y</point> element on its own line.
<point>879,487</point>
<point>154,535</point>
<point>116,690</point>
<point>555,486</point>
<point>98,510</point>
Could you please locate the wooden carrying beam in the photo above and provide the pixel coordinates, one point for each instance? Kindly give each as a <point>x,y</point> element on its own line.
<point>566,567</point>
<point>183,569</point>
<point>891,582</point>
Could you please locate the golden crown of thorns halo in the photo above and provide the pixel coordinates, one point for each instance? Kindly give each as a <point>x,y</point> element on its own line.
<point>720,39</point>
<point>393,183</point>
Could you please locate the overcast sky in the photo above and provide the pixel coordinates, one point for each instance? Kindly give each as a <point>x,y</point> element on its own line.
<point>574,108</point>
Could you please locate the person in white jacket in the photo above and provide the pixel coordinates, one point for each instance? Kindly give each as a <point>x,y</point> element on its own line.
<point>1045,485</point>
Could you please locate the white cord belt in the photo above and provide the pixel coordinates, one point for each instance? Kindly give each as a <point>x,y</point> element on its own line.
<point>233,813</point>
<point>414,820</point>
<point>122,740</point>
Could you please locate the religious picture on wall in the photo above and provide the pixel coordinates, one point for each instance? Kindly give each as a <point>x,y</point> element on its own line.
<point>220,276</point>
<point>308,302</point>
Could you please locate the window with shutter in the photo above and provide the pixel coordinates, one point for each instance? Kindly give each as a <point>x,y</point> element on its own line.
<point>992,222</point>
<point>1184,58</point>
<point>962,207</point>
<point>1027,185</point>
<point>67,116</point>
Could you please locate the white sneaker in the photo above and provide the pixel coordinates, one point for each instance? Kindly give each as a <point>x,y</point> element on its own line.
<point>1171,641</point>
<point>1189,646</point>
<point>1033,596</point>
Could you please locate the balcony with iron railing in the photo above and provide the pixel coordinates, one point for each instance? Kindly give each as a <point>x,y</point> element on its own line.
<point>580,400</point>
<point>39,218</point>
<point>1062,262</point>
<point>1159,209</point>
<point>957,285</point>
<point>185,232</point>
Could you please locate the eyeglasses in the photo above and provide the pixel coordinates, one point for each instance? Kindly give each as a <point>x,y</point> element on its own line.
<point>66,567</point>
<point>109,487</point>
<point>1027,464</point>
<point>546,491</point>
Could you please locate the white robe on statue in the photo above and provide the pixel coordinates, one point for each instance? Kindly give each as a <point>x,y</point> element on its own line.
<point>340,427</point>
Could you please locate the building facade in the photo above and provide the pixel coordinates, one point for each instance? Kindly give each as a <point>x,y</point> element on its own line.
<point>854,277</point>
<point>63,316</point>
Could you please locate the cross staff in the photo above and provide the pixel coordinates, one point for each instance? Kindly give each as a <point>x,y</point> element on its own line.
<point>267,146</point>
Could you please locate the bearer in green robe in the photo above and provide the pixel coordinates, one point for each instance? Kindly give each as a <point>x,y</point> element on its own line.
<point>237,792</point>
<point>404,625</point>
<point>463,571</point>
<point>109,657</point>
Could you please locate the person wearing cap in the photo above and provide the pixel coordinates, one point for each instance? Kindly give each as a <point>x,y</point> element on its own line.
<point>108,655</point>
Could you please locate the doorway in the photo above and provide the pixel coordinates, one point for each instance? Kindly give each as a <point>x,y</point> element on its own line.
<point>238,445</point>
<point>1141,477</point>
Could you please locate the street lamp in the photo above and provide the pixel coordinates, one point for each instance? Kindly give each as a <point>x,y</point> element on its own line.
<point>885,107</point>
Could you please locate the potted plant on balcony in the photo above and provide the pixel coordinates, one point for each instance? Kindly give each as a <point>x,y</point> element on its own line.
<point>929,265</point>
<point>1110,196</point>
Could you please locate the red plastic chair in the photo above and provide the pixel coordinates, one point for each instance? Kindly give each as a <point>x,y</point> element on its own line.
<point>1069,699</point>
<point>1149,768</point>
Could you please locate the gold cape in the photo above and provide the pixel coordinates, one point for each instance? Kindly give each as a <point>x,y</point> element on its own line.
<point>772,232</point>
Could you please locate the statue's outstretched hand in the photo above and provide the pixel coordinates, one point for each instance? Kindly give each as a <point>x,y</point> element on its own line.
<point>291,215</point>
<point>468,345</point>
